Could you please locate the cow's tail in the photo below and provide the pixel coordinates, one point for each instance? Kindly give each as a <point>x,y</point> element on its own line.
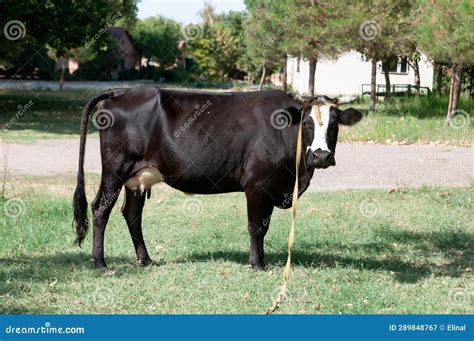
<point>79,203</point>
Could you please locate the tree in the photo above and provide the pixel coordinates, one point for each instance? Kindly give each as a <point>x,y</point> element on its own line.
<point>49,23</point>
<point>264,28</point>
<point>158,38</point>
<point>217,43</point>
<point>383,32</point>
<point>319,31</point>
<point>445,32</point>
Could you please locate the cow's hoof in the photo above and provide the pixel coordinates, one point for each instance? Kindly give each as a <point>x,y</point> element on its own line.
<point>145,261</point>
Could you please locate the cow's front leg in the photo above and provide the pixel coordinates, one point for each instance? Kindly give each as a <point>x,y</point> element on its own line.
<point>259,211</point>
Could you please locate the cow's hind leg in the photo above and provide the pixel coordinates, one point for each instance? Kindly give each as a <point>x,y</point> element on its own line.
<point>102,205</point>
<point>132,211</point>
<point>259,211</point>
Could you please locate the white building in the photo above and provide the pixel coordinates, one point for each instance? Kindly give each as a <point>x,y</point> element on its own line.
<point>347,74</point>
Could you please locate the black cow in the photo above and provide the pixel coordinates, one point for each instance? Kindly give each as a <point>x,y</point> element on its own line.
<point>204,143</point>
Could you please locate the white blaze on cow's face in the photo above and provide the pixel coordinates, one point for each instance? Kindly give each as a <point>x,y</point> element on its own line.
<point>320,131</point>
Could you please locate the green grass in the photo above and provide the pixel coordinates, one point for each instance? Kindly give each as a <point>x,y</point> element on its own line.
<point>402,120</point>
<point>399,120</point>
<point>413,256</point>
<point>52,114</point>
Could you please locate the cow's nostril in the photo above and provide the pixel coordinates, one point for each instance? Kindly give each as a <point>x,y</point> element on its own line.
<point>331,161</point>
<point>323,158</point>
<point>330,157</point>
<point>321,154</point>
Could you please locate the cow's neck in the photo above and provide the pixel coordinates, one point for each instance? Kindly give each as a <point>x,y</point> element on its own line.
<point>305,176</point>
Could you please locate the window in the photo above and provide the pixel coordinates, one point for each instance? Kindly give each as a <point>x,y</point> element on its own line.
<point>400,66</point>
<point>403,66</point>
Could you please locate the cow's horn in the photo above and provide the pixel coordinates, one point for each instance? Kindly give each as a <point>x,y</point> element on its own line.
<point>345,99</point>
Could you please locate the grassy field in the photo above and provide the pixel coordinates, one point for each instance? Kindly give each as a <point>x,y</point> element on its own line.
<point>401,120</point>
<point>370,251</point>
<point>52,114</point>
<point>56,114</point>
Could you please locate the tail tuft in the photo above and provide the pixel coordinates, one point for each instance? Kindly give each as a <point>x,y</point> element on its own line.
<point>80,212</point>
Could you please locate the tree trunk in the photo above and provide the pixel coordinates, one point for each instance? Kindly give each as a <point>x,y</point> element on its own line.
<point>416,69</point>
<point>471,81</point>
<point>456,81</point>
<point>61,79</point>
<point>262,79</point>
<point>439,79</point>
<point>312,70</point>
<point>284,81</point>
<point>373,78</point>
<point>387,82</point>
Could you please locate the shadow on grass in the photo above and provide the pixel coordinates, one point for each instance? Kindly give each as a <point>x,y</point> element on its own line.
<point>455,248</point>
<point>50,112</point>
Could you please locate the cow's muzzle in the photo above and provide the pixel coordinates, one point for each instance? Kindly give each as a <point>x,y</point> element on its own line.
<point>321,159</point>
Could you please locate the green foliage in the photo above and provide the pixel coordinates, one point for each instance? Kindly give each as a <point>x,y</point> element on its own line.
<point>217,44</point>
<point>383,29</point>
<point>157,38</point>
<point>446,30</point>
<point>64,29</point>
<point>96,61</point>
<point>264,30</point>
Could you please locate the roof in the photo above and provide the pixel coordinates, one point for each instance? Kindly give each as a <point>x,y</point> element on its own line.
<point>119,32</point>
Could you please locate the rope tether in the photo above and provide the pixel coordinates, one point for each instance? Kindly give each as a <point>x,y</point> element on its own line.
<point>291,237</point>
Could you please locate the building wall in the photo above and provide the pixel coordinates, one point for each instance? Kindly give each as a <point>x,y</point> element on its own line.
<point>127,52</point>
<point>345,75</point>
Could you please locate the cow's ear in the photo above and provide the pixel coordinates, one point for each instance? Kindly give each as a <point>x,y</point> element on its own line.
<point>350,116</point>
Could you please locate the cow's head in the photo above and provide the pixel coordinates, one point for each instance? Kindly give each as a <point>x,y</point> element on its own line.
<point>320,133</point>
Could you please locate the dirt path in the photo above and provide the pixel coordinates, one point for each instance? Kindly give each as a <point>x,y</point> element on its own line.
<point>358,165</point>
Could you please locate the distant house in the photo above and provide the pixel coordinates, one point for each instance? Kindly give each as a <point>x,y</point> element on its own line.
<point>127,52</point>
<point>347,74</point>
